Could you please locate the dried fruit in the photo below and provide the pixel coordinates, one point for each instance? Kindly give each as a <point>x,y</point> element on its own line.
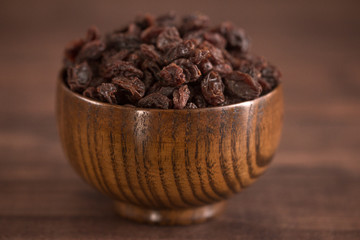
<point>172,75</point>
<point>212,89</point>
<point>134,87</point>
<point>181,96</point>
<point>155,100</point>
<point>157,62</point>
<point>242,85</point>
<point>79,77</point>
<point>107,93</point>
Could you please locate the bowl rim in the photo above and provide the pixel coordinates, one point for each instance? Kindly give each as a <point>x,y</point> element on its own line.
<point>248,103</point>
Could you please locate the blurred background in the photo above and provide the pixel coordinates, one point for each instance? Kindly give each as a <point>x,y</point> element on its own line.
<point>310,192</point>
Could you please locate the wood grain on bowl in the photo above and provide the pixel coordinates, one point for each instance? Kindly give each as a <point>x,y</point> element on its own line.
<point>171,163</point>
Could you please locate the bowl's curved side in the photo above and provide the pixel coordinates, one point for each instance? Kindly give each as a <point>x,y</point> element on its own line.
<point>169,159</point>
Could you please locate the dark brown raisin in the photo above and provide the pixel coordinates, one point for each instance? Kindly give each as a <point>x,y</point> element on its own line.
<point>191,71</point>
<point>265,86</point>
<point>199,55</point>
<point>150,34</point>
<point>180,97</point>
<point>134,87</point>
<point>168,38</point>
<point>182,50</point>
<point>197,36</point>
<point>91,92</point>
<point>91,50</point>
<point>149,52</point>
<point>205,66</point>
<point>167,19</point>
<point>190,105</point>
<point>154,100</point>
<point>79,77</point>
<point>242,85</point>
<point>121,68</point>
<point>72,49</point>
<point>172,75</point>
<point>235,36</point>
<point>212,89</point>
<point>200,102</point>
<point>144,20</point>
<point>107,93</point>
<point>194,22</point>
<point>215,39</point>
<point>92,34</point>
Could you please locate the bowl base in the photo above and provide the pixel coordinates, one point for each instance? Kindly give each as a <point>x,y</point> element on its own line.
<point>184,216</point>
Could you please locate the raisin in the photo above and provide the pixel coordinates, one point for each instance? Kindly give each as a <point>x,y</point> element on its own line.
<point>168,38</point>
<point>91,92</point>
<point>167,19</point>
<point>215,39</point>
<point>121,68</point>
<point>199,55</point>
<point>197,36</point>
<point>79,77</point>
<point>92,34</point>
<point>155,100</point>
<point>191,71</point>
<point>180,97</point>
<point>135,58</point>
<point>200,102</point>
<point>235,36</point>
<point>205,66</point>
<point>150,34</point>
<point>133,86</point>
<point>144,20</point>
<point>72,49</point>
<point>91,50</point>
<point>265,86</point>
<point>107,93</point>
<point>190,105</point>
<point>242,85</point>
<point>194,22</point>
<point>212,89</point>
<point>149,52</point>
<point>172,75</point>
<point>182,50</point>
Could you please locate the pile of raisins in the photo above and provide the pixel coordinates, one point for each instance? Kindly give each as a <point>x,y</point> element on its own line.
<point>160,62</point>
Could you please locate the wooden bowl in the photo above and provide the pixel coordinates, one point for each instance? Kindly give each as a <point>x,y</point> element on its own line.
<point>172,167</point>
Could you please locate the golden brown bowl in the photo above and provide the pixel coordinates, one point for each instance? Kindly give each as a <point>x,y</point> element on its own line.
<point>169,166</point>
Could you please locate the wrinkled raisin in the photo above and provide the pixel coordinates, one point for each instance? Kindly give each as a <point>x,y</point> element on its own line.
<point>172,75</point>
<point>107,93</point>
<point>190,105</point>
<point>79,77</point>
<point>168,38</point>
<point>194,22</point>
<point>91,50</point>
<point>242,85</point>
<point>91,92</point>
<point>235,36</point>
<point>133,86</point>
<point>212,88</point>
<point>182,50</point>
<point>180,97</point>
<point>191,71</point>
<point>121,68</point>
<point>155,100</point>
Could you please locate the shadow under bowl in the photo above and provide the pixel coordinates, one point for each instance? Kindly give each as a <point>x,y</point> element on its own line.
<point>172,167</point>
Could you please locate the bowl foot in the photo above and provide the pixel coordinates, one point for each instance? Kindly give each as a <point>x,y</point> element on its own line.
<point>169,216</point>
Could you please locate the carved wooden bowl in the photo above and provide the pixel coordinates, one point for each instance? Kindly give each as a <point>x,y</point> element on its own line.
<point>169,166</point>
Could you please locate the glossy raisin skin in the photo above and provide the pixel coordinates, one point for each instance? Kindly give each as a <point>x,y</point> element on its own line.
<point>168,62</point>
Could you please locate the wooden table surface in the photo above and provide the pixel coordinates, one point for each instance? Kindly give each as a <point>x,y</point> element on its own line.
<point>312,189</point>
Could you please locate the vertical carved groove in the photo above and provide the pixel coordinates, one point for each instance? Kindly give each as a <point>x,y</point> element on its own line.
<point>161,167</point>
<point>187,158</point>
<point>199,168</point>
<point>234,151</point>
<point>137,163</point>
<point>99,159</point>
<point>224,162</point>
<point>115,166</point>
<point>124,152</point>
<point>174,167</point>
<point>90,153</point>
